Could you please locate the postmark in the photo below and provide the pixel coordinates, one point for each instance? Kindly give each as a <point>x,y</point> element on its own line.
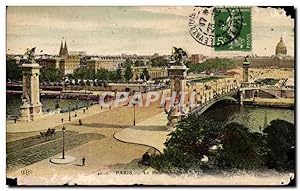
<point>219,27</point>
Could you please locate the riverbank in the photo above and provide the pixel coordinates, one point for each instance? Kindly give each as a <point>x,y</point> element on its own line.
<point>271,102</point>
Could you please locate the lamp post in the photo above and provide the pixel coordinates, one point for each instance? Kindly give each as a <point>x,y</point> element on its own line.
<point>77,103</point>
<point>87,101</point>
<point>57,104</point>
<point>63,142</point>
<point>134,103</point>
<point>134,113</point>
<point>69,111</point>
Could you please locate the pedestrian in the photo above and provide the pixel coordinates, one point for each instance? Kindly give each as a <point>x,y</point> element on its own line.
<point>62,120</point>
<point>15,119</point>
<point>83,110</point>
<point>83,161</point>
<point>75,114</point>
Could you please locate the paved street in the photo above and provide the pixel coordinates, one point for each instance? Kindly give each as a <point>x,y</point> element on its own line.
<point>150,132</point>
<point>95,142</point>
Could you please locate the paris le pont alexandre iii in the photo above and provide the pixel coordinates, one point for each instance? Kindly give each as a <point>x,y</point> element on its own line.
<point>155,96</point>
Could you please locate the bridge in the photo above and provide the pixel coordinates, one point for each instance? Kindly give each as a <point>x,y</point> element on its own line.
<point>229,96</point>
<point>211,92</point>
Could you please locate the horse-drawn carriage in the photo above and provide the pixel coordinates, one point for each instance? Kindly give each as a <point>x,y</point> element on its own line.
<point>49,133</point>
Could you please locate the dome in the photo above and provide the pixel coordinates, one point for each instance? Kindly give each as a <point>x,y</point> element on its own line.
<point>281,48</point>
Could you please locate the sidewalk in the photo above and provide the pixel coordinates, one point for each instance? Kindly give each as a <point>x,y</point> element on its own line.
<point>51,120</point>
<point>151,132</point>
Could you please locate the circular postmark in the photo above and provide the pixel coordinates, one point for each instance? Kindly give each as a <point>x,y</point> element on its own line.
<point>215,26</point>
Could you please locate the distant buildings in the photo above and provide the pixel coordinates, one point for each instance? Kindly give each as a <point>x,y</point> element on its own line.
<point>281,49</point>
<point>197,58</point>
<point>105,62</point>
<point>154,72</point>
<point>69,64</point>
<point>63,51</point>
<point>48,62</point>
<point>279,60</point>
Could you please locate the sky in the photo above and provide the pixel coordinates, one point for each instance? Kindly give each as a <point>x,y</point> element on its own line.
<point>130,30</point>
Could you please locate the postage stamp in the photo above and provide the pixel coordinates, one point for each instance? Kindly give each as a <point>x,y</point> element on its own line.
<point>223,28</point>
<point>235,25</point>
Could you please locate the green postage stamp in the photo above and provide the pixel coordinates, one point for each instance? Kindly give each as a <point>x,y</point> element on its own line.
<point>223,28</point>
<point>233,29</point>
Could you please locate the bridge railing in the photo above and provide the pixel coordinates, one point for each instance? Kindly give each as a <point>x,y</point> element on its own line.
<point>215,98</point>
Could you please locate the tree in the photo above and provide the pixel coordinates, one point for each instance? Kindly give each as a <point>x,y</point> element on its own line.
<point>127,63</point>
<point>102,74</point>
<point>13,72</point>
<point>128,73</point>
<point>227,147</point>
<point>118,74</point>
<point>84,73</point>
<point>139,63</point>
<point>188,144</point>
<point>280,137</point>
<point>213,64</point>
<point>145,75</point>
<point>51,75</point>
<point>240,148</point>
<point>159,62</point>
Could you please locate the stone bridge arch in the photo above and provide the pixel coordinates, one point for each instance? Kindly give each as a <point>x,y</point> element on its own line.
<point>203,108</point>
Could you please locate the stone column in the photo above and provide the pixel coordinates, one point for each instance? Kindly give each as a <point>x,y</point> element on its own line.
<point>177,75</point>
<point>246,65</point>
<point>31,106</point>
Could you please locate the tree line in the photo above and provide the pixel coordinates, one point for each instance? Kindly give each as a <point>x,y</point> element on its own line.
<point>14,72</point>
<point>228,147</point>
<point>212,65</point>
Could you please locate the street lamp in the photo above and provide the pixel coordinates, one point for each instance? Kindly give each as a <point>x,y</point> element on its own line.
<point>77,103</point>
<point>134,113</point>
<point>57,104</point>
<point>134,103</point>
<point>69,111</point>
<point>87,101</point>
<point>63,142</point>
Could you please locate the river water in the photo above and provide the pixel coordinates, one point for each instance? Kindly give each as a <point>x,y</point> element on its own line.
<point>13,103</point>
<point>250,116</point>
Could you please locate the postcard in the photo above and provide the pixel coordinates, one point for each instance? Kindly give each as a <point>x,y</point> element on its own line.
<point>150,96</point>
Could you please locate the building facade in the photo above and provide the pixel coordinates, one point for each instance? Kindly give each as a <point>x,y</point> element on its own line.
<point>105,62</point>
<point>154,72</point>
<point>69,64</point>
<point>197,58</point>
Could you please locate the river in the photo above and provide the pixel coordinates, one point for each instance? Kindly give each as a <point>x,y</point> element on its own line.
<point>250,116</point>
<point>13,103</point>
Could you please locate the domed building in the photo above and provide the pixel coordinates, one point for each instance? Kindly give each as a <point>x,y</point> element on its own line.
<point>280,49</point>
